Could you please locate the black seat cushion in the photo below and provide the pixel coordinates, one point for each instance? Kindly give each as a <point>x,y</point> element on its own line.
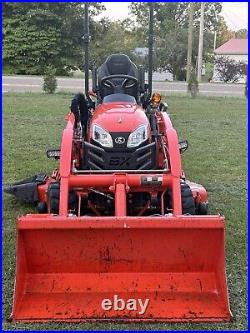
<point>114,65</point>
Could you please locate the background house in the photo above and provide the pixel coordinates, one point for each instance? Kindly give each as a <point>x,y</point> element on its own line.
<point>235,49</point>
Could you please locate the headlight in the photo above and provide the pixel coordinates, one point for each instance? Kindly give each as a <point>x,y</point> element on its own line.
<point>138,136</point>
<point>101,136</point>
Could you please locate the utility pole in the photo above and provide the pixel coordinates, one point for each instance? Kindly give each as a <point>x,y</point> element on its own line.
<point>200,51</point>
<point>150,47</point>
<point>190,40</point>
<point>215,30</point>
<point>86,47</point>
<point>215,39</point>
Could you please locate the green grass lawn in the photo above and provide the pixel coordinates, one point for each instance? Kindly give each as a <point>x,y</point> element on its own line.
<point>216,129</point>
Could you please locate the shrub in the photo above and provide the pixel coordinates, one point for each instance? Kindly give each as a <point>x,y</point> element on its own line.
<point>229,70</point>
<point>193,85</point>
<point>49,80</point>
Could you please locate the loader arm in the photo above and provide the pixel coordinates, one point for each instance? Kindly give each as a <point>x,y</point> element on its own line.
<point>66,163</point>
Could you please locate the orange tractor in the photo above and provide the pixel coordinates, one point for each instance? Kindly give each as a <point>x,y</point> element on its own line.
<point>120,234</point>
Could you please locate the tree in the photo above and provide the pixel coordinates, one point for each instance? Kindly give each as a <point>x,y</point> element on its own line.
<point>242,33</point>
<point>223,33</point>
<point>229,70</point>
<point>171,52</point>
<point>111,37</point>
<point>30,39</point>
<point>171,24</point>
<point>36,35</point>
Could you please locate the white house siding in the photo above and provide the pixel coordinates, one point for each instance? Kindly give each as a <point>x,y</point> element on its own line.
<point>161,76</point>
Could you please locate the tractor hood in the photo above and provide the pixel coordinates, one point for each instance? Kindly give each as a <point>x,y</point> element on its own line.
<point>119,117</point>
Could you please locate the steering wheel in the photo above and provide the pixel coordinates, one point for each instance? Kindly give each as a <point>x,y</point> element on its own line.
<point>128,81</point>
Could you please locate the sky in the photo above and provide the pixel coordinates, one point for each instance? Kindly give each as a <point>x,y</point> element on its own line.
<point>235,13</point>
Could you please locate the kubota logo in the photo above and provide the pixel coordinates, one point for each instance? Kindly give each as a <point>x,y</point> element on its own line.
<point>120,304</point>
<point>120,140</point>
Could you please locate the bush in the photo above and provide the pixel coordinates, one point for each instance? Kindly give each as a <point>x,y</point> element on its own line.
<point>229,70</point>
<point>49,80</point>
<point>209,72</point>
<point>8,70</point>
<point>193,85</point>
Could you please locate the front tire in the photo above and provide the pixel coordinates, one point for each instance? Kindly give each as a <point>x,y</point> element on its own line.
<point>54,199</point>
<point>187,200</point>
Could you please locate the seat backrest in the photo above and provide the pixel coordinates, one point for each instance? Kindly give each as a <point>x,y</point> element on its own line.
<point>117,64</point>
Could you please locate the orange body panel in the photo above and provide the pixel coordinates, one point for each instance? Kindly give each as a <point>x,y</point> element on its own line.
<point>130,116</point>
<point>66,267</point>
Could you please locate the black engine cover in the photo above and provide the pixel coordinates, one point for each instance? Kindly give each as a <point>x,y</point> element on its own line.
<point>98,158</point>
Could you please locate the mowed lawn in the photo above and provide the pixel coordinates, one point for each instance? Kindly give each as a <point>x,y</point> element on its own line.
<point>216,129</point>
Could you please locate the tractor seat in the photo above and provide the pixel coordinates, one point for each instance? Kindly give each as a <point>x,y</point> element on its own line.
<point>117,64</point>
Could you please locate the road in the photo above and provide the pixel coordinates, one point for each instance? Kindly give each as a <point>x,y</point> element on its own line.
<point>34,84</point>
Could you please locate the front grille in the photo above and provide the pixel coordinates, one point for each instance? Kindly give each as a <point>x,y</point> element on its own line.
<point>97,158</point>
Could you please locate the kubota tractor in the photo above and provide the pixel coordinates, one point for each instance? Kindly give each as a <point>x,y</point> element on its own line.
<point>118,222</point>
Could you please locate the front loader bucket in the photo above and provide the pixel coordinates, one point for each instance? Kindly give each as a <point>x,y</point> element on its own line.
<point>120,268</point>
